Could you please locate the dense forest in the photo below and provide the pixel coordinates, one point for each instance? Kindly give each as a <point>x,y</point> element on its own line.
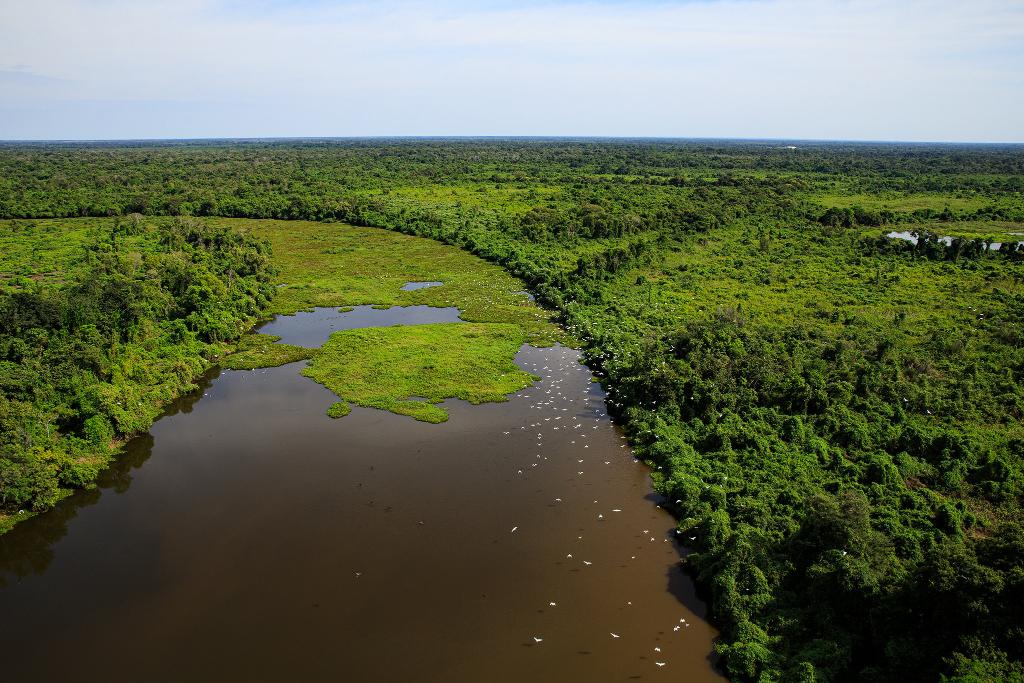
<point>92,353</point>
<point>833,414</point>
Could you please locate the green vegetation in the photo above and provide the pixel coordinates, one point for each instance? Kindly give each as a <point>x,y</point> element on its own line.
<point>836,416</point>
<point>322,264</point>
<point>91,357</point>
<point>262,351</point>
<point>340,265</point>
<point>408,369</point>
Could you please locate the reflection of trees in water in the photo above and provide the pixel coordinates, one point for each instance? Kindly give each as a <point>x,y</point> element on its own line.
<point>28,547</point>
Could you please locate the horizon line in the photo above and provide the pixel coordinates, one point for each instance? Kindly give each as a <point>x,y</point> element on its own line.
<point>648,138</point>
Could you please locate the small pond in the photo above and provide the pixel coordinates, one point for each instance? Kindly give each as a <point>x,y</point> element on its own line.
<point>410,286</point>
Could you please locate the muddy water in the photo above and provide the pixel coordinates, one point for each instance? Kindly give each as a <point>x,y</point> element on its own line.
<point>250,537</point>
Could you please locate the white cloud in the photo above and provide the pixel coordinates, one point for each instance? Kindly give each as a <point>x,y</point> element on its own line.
<point>941,69</point>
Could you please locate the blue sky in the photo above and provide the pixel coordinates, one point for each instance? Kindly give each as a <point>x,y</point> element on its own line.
<point>800,69</point>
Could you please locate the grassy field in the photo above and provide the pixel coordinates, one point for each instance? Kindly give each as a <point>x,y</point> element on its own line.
<point>49,251</point>
<point>319,264</point>
<point>408,369</point>
<point>262,351</point>
<point>902,202</point>
<point>337,265</point>
<point>804,273</point>
<point>332,264</point>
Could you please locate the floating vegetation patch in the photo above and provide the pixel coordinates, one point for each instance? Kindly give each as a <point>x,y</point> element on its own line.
<point>263,351</point>
<point>408,370</point>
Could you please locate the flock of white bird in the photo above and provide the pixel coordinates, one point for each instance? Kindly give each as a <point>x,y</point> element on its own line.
<point>558,411</point>
<point>559,414</point>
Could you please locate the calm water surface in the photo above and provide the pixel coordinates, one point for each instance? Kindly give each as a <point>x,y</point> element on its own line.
<point>250,537</point>
<point>312,328</point>
<point>410,286</point>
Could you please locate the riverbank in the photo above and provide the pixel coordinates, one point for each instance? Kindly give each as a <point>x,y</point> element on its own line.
<point>316,264</point>
<point>508,543</point>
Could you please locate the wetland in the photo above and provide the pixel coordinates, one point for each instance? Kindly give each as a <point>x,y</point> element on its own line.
<point>248,535</point>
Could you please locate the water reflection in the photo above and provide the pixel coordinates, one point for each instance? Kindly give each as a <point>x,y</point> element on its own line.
<point>28,548</point>
<point>264,541</point>
<point>312,328</point>
<point>411,286</point>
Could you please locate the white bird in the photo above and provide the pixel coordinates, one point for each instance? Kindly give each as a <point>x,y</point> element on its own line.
<point>660,663</point>
<point>537,640</point>
<point>614,635</point>
<point>587,563</point>
<point>513,529</point>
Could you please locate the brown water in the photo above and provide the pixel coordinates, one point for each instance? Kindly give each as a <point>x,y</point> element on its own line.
<point>250,537</point>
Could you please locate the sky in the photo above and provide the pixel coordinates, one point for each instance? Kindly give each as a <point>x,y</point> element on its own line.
<point>915,70</point>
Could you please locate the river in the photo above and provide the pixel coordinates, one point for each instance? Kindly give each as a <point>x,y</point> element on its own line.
<point>248,536</point>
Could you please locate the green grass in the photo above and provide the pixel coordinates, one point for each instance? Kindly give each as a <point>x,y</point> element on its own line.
<point>337,265</point>
<point>389,367</point>
<point>506,197</point>
<point>333,264</point>
<point>818,278</point>
<point>263,351</point>
<point>895,201</point>
<point>49,251</point>
<point>805,274</point>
